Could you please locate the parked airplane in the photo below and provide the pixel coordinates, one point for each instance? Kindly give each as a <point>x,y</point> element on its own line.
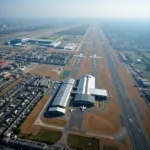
<point>71,109</point>
<point>82,108</point>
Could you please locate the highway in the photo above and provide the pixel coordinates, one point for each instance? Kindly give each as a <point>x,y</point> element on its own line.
<point>136,131</point>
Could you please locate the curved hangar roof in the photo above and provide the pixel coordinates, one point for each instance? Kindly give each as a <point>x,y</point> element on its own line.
<point>64,92</point>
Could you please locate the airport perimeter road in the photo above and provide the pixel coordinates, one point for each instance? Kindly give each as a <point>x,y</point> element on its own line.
<point>138,136</point>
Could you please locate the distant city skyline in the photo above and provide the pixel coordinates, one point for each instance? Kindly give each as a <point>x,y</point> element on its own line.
<point>75,8</point>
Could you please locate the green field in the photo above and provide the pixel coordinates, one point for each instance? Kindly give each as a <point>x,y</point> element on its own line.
<point>65,74</point>
<point>80,30</point>
<point>47,136</point>
<point>84,143</point>
<point>110,148</point>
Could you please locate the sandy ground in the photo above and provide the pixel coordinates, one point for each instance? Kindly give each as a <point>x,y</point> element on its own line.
<point>98,105</point>
<point>27,127</point>
<point>107,122</point>
<point>45,70</point>
<point>10,86</point>
<point>128,143</point>
<point>111,142</point>
<point>85,67</point>
<point>55,121</point>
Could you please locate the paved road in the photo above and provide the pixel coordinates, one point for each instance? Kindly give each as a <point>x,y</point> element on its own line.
<point>76,119</point>
<point>138,136</point>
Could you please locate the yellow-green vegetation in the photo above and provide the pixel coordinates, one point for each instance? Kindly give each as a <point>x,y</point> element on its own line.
<point>83,143</point>
<point>65,74</point>
<point>48,136</point>
<point>44,135</point>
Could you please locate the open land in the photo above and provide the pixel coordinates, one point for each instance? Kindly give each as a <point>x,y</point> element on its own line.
<point>55,121</point>
<point>48,136</point>
<point>44,135</point>
<point>106,122</point>
<point>45,70</point>
<point>87,143</point>
<point>80,30</point>
<point>109,144</point>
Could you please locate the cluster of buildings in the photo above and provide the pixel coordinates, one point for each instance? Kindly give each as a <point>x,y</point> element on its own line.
<point>54,58</point>
<point>20,42</point>
<point>135,71</point>
<point>124,42</point>
<point>83,92</point>
<point>18,102</point>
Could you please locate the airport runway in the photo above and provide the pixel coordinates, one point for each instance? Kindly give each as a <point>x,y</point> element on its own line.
<point>136,131</point>
<point>95,68</point>
<point>76,67</point>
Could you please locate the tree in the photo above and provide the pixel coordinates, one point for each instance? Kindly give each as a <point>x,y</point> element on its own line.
<point>17,130</point>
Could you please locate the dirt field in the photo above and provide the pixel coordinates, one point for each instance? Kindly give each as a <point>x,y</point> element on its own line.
<point>113,143</point>
<point>107,122</point>
<point>128,143</point>
<point>85,67</point>
<point>98,105</point>
<point>55,121</point>
<point>10,86</point>
<point>27,127</point>
<point>45,70</point>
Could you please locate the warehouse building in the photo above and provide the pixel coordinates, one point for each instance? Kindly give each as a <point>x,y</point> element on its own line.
<point>56,111</point>
<point>41,41</point>
<point>62,45</point>
<point>87,93</point>
<point>71,46</point>
<point>55,44</point>
<point>18,40</point>
<point>60,101</point>
<point>63,94</point>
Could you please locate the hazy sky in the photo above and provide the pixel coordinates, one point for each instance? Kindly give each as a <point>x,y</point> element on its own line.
<point>75,8</point>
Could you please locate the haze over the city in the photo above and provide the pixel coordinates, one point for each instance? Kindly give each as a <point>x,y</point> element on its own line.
<point>75,8</point>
